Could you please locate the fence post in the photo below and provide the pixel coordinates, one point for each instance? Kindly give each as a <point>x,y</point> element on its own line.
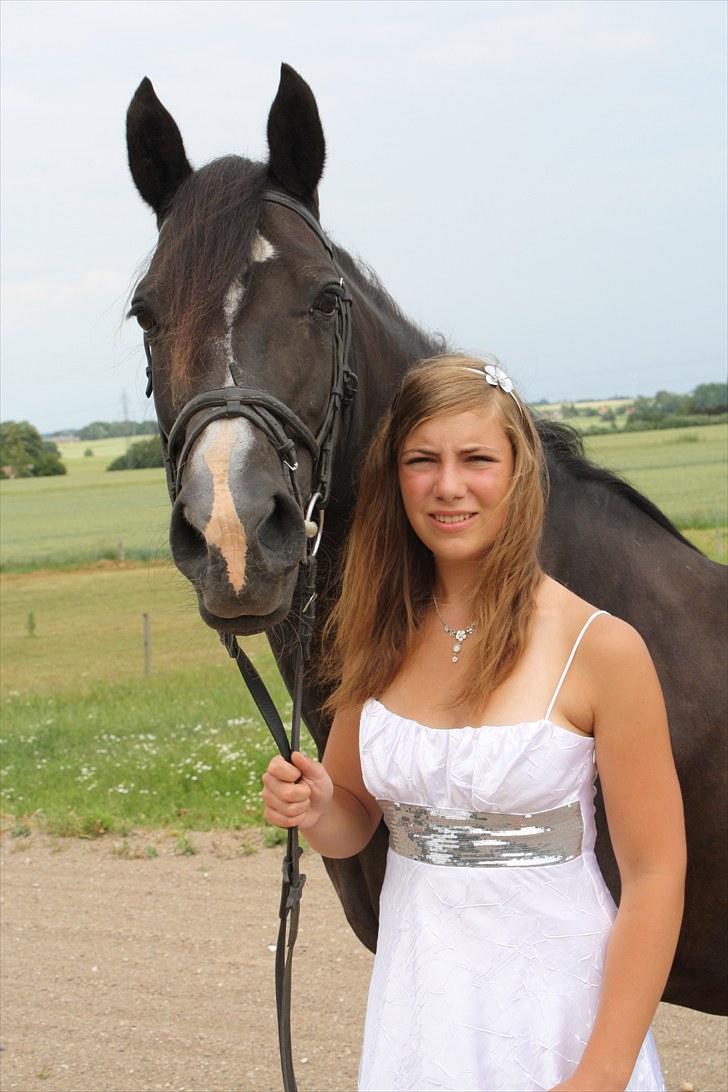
<point>147,645</point>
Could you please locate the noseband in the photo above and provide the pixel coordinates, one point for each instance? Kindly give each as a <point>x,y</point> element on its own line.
<point>285,431</point>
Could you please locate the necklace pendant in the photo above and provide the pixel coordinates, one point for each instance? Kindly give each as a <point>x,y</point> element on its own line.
<point>455,635</point>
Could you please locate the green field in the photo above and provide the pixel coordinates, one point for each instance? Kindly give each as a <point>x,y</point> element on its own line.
<point>74,451</point>
<point>90,743</point>
<point>684,471</point>
<point>83,516</point>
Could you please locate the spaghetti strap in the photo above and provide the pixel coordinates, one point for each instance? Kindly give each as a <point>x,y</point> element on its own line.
<point>577,642</point>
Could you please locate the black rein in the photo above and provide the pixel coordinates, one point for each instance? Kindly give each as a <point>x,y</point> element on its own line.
<point>283,429</point>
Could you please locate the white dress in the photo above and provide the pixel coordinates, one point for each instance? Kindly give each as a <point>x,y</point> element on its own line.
<point>486,978</point>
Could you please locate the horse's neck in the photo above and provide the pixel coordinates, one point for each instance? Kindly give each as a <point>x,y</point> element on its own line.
<point>605,548</point>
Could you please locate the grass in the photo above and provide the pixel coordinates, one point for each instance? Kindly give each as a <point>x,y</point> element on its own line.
<point>89,628</point>
<point>83,516</point>
<point>90,744</point>
<point>74,452</point>
<point>80,518</point>
<point>682,470</point>
<point>185,749</point>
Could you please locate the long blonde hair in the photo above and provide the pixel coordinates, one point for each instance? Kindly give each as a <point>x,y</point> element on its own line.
<point>388,574</point>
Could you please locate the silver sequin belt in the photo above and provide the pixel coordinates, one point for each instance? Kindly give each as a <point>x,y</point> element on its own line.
<point>478,839</point>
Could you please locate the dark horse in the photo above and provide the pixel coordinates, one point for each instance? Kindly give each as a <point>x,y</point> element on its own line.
<point>237,278</point>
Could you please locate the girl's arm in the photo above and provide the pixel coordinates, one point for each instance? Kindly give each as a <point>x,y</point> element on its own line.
<point>328,799</point>
<point>644,812</point>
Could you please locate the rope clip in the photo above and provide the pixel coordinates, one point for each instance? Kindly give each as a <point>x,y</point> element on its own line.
<point>313,529</point>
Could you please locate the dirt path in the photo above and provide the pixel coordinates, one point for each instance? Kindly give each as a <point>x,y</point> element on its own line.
<point>129,966</point>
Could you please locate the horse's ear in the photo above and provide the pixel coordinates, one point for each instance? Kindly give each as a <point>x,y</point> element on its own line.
<point>157,157</point>
<point>295,137</point>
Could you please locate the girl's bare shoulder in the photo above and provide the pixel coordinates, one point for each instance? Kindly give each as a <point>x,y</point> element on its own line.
<point>610,639</point>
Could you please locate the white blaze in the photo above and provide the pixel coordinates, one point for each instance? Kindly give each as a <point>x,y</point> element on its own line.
<point>226,442</point>
<point>262,250</point>
<point>224,529</point>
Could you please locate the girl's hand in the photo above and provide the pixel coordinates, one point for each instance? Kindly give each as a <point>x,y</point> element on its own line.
<point>296,793</point>
<point>575,1083</point>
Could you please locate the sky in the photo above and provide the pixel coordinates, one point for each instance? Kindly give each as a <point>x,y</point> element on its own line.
<point>543,180</point>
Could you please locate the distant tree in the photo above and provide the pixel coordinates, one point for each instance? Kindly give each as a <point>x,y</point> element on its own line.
<point>143,453</point>
<point>25,454</point>
<point>102,430</point>
<point>710,398</point>
<point>646,409</point>
<point>97,430</point>
<point>707,398</point>
<point>88,453</point>
<point>669,403</point>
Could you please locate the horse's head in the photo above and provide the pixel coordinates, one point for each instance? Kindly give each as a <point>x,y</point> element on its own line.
<point>244,318</point>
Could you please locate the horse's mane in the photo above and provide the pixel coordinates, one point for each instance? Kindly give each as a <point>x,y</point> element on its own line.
<point>416,342</point>
<point>566,446</point>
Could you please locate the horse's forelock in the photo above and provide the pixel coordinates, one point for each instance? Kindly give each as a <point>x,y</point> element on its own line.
<point>203,244</point>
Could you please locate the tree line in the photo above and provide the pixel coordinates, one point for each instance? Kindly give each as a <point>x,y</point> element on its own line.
<point>105,430</point>
<point>25,453</point>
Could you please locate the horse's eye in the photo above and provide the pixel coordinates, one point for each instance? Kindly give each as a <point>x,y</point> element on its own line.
<point>144,317</point>
<point>327,303</point>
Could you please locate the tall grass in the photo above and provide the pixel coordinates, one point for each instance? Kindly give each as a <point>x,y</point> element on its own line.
<point>89,742</point>
<point>183,749</point>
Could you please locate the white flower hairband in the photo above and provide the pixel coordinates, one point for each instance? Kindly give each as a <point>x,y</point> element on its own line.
<point>496,377</point>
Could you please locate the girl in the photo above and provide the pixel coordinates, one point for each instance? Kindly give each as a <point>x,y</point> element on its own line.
<point>475,700</point>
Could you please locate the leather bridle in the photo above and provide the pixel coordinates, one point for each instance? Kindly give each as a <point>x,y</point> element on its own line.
<point>281,426</point>
<point>284,430</point>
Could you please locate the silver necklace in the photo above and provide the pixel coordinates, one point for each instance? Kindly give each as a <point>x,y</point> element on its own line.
<point>458,635</point>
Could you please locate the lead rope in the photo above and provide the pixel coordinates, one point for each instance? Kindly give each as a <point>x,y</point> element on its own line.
<point>270,415</point>
<point>293,879</point>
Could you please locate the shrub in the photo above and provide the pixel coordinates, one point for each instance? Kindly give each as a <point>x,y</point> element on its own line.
<point>143,453</point>
<point>25,454</point>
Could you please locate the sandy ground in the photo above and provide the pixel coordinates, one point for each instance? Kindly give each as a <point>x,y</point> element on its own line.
<point>123,970</point>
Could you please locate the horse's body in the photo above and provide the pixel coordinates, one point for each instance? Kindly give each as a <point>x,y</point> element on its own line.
<point>256,281</point>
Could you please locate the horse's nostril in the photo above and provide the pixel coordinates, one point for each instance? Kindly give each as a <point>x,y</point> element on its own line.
<point>280,534</point>
<point>188,545</point>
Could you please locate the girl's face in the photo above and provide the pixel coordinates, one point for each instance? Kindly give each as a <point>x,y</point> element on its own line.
<point>454,474</point>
